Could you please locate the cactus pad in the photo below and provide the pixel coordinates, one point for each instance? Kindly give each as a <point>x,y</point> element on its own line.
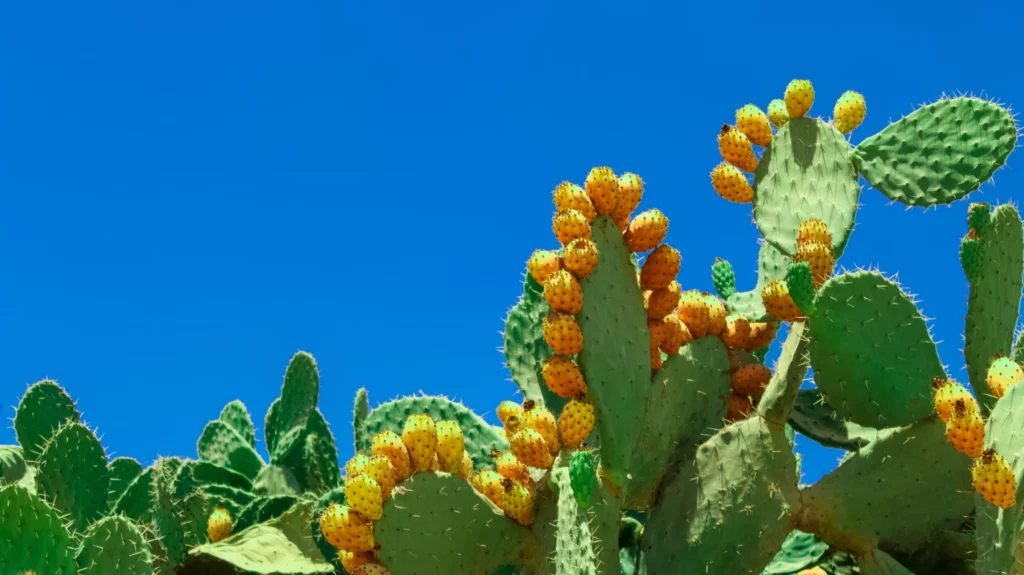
<point>235,415</point>
<point>863,315</point>
<point>481,437</point>
<point>738,491</point>
<point>43,408</point>
<point>616,349</point>
<point>578,533</point>
<point>114,546</point>
<point>814,417</point>
<point>995,298</point>
<point>799,551</point>
<point>137,500</point>
<point>805,173</point>
<point>32,535</point>
<point>525,348</point>
<point>771,265</point>
<point>263,509</point>
<point>360,410</point>
<point>12,464</point>
<point>887,493</point>
<point>1000,532</point>
<point>167,521</point>
<point>73,475</point>
<point>780,395</point>
<point>276,480</point>
<point>220,444</point>
<point>939,153</point>
<point>206,473</point>
<point>123,471</point>
<point>299,395</point>
<point>457,530</point>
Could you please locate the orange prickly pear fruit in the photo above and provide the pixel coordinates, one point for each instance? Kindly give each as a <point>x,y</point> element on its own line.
<point>562,333</point>
<point>674,334</point>
<point>569,196</point>
<point>739,407</point>
<point>451,444</point>
<point>507,408</point>
<point>660,268</point>
<point>569,225</point>
<point>488,482</point>
<point>799,98</point>
<point>390,445</point>
<point>946,394</point>
<point>994,479</point>
<point>631,190</point>
<point>965,430</point>
<point>364,496</point>
<point>694,312</point>
<point>371,569</point>
<point>351,561</point>
<point>541,420</point>
<point>581,257</point>
<point>1003,374</point>
<point>507,465</point>
<point>563,292</point>
<point>820,257</point>
<point>646,231</point>
<point>751,379</point>
<point>356,465</point>
<point>736,149</point>
<point>737,331</point>
<point>716,314</point>
<point>777,301</point>
<point>603,188</point>
<point>576,421</point>
<point>527,444</point>
<point>762,333</point>
<point>813,230</point>
<point>420,438</point>
<point>731,184</point>
<point>380,469</point>
<point>662,301</point>
<point>754,124</point>
<point>562,376</point>
<point>542,264</point>
<point>346,530</point>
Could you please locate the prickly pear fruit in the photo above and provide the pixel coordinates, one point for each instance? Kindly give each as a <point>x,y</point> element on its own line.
<point>364,496</point>
<point>356,465</point>
<point>543,263</point>
<point>674,334</point>
<point>660,268</point>
<point>693,311</point>
<point>517,502</point>
<point>381,470</point>
<point>946,393</point>
<point>662,301</point>
<point>576,421</point>
<point>580,257</point>
<point>582,477</point>
<point>762,333</point>
<point>799,98</point>
<point>351,561</point>
<point>420,438</point>
<point>527,444</point>
<point>631,191</point>
<point>488,482</point>
<point>465,470</point>
<point>346,530</point>
<point>562,376</point>
<point>813,230</point>
<point>739,407</point>
<point>820,257</point>
<point>563,334</point>
<point>849,111</point>
<point>569,196</point>
<point>646,230</point>
<point>994,479</point>
<point>507,465</point>
<point>751,379</point>
<point>1003,374</point>
<point>371,569</point>
<point>390,445</point>
<point>737,331</point>
<point>731,184</point>
<point>779,303</point>
<point>724,279</point>
<point>218,526</point>
<point>540,419</point>
<point>569,225</point>
<point>563,292</point>
<point>777,113</point>
<point>451,444</point>
<point>507,408</point>
<point>754,124</point>
<point>965,430</point>
<point>736,149</point>
<point>716,314</point>
<point>603,188</point>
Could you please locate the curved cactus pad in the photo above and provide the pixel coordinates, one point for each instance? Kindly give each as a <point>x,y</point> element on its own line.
<point>805,173</point>
<point>263,509</point>
<point>32,535</point>
<point>206,473</point>
<point>73,474</point>
<point>939,153</point>
<point>771,265</point>
<point>995,298</point>
<point>872,355</point>
<point>438,524</point>
<point>123,471</point>
<point>360,409</point>
<point>575,536</point>
<point>281,545</point>
<point>220,444</point>
<point>1000,533</point>
<point>43,408</point>
<point>896,492</point>
<point>738,491</point>
<point>235,415</point>
<point>114,546</point>
<point>616,349</point>
<point>299,395</point>
<point>777,402</point>
<point>687,401</point>
<point>525,348</point>
<point>12,464</point>
<point>799,551</point>
<point>481,437</point>
<point>137,500</point>
<point>814,417</point>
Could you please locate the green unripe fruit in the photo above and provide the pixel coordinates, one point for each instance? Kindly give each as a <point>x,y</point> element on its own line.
<point>724,278</point>
<point>970,257</point>
<point>800,282</point>
<point>978,217</point>
<point>582,476</point>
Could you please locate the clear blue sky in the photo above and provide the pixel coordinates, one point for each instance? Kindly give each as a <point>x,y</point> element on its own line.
<point>190,192</point>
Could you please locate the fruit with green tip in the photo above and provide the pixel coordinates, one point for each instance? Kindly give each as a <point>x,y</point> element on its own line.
<point>777,113</point>
<point>849,111</point>
<point>799,98</point>
<point>1003,374</point>
<point>218,526</point>
<point>507,408</point>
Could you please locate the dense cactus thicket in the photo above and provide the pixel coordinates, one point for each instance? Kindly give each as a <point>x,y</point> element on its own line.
<point>651,437</point>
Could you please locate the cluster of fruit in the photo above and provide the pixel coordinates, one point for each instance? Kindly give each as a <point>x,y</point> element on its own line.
<point>792,298</point>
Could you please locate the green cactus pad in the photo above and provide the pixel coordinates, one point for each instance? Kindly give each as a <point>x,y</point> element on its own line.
<point>73,476</point>
<point>263,509</point>
<point>723,278</point>
<point>777,402</point>
<point>137,501</point>
<point>32,535</point>
<point>316,464</point>
<point>298,400</point>
<point>771,265</point>
<point>167,521</point>
<point>995,298</point>
<point>235,415</point>
<point>805,173</point>
<point>206,473</point>
<point>281,545</point>
<point>813,417</point>
<point>481,437</point>
<point>525,348</point>
<point>1000,532</point>
<point>276,480</point>
<point>871,499</point>
<point>863,315</point>
<point>360,410</point>
<point>457,530</point>
<point>43,408</point>
<point>12,464</point>
<point>114,546</point>
<point>629,545</point>
<point>336,495</point>
<point>220,444</point>
<point>688,397</point>
<point>616,349</point>
<point>234,499</point>
<point>971,258</point>
<point>123,471</point>
<point>799,551</point>
<point>878,562</point>
<point>800,283</point>
<point>939,153</point>
<point>979,216</point>
<point>583,477</point>
<point>738,492</point>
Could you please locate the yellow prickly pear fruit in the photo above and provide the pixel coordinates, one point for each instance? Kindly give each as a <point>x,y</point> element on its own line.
<point>737,331</point>
<point>694,312</point>
<point>507,408</point>
<point>488,483</point>
<point>849,112</point>
<point>674,334</point>
<point>739,407</point>
<point>371,569</point>
<point>751,379</point>
<point>966,430</point>
<point>420,438</point>
<point>450,445</point>
<point>761,334</point>
<point>716,314</point>
<point>542,264</point>
<point>819,255</point>
<point>754,124</point>
<point>562,376</point>
<point>576,421</point>
<point>563,292</point>
<point>1003,374</point>
<point>346,530</point>
<point>660,268</point>
<point>662,301</point>
<point>507,465</point>
<point>777,301</point>
<point>364,496</point>
<point>730,183</point>
<point>646,231</point>
<point>569,225</point>
<point>994,479</point>
<point>622,223</point>
<point>528,445</point>
<point>517,502</point>
<point>466,468</point>
<point>799,98</point>
<point>631,190</point>
<point>380,469</point>
<point>356,465</point>
<point>352,561</point>
<point>218,526</point>
<point>580,257</point>
<point>946,393</point>
<point>603,188</point>
<point>541,420</point>
<point>562,333</point>
<point>736,149</point>
<point>569,196</point>
<point>813,230</point>
<point>777,113</point>
<point>390,445</point>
